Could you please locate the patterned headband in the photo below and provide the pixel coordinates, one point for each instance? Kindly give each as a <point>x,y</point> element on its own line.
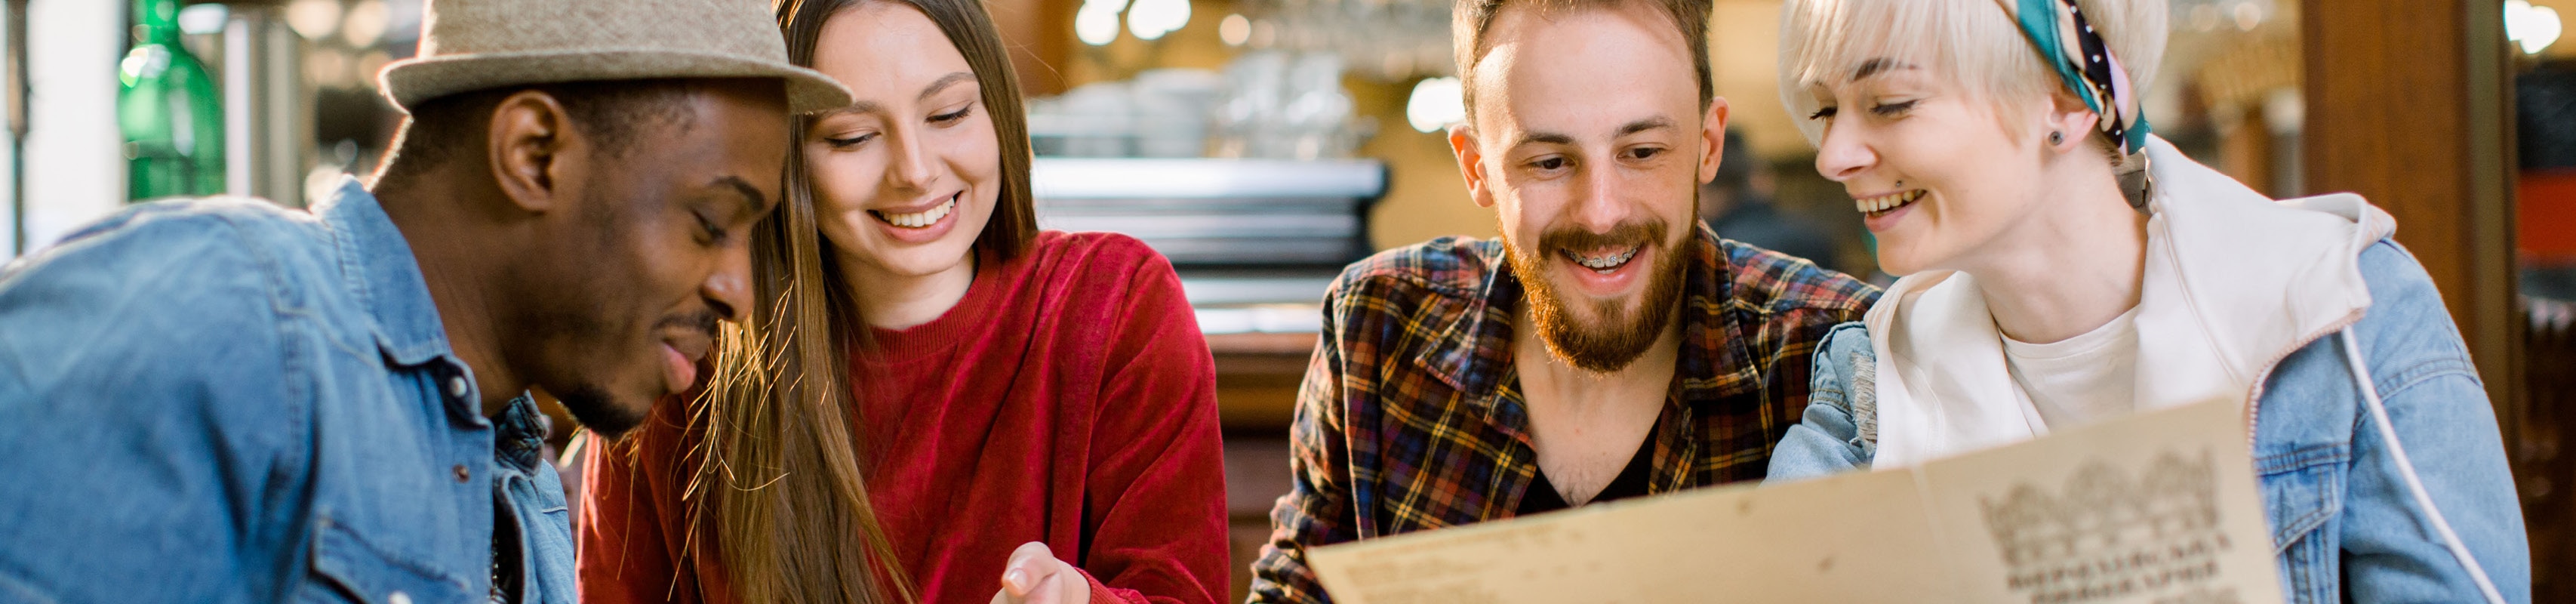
<point>2058,30</point>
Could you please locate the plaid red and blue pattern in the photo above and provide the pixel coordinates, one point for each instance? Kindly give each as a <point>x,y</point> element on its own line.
<point>1410,419</point>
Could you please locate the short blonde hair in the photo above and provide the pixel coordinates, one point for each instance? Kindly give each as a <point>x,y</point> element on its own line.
<point>1972,42</point>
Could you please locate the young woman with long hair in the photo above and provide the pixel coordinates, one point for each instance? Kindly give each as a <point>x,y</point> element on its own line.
<point>934,400</point>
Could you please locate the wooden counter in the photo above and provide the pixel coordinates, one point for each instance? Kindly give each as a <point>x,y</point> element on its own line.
<point>1256,391</point>
<point>1257,376</point>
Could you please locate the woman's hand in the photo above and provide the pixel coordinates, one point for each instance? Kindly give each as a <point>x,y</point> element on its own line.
<point>1034,576</point>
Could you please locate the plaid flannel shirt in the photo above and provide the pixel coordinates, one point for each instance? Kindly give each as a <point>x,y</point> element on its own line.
<point>1410,419</point>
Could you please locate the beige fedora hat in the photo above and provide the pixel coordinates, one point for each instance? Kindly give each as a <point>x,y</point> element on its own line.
<point>469,45</point>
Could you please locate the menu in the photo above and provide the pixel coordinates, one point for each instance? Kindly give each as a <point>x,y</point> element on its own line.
<point>2159,507</point>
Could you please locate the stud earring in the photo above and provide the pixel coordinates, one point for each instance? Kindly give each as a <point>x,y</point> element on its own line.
<point>2056,137</point>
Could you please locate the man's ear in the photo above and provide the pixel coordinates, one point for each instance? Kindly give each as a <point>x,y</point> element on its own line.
<point>1471,163</point>
<point>2071,116</point>
<point>1712,139</point>
<point>533,148</point>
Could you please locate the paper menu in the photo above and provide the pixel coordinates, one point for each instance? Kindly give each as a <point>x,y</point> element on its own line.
<point>2159,507</point>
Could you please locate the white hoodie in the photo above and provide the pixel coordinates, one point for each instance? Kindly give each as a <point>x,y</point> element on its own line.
<point>2234,282</point>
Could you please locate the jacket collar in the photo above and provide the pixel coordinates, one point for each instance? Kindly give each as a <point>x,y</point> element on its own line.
<point>2233,282</point>
<point>377,263</point>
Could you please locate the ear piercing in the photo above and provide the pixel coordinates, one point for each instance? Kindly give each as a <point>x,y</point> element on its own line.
<point>2056,137</point>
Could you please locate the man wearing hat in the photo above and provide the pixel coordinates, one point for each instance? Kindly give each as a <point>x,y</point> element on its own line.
<point>223,400</point>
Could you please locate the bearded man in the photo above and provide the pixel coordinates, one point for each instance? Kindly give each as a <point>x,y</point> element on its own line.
<point>1606,347</point>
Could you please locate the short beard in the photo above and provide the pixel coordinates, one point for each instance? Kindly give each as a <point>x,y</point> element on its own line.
<point>1625,333</point>
<point>598,411</point>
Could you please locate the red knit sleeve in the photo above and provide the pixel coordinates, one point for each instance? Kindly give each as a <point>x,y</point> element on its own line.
<point>625,545</point>
<point>1156,497</point>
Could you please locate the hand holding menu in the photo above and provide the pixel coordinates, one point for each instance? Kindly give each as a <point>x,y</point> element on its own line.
<point>2160,507</point>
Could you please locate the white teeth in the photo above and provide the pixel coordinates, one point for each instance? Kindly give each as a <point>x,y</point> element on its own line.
<point>1887,202</point>
<point>920,219</point>
<point>1604,264</point>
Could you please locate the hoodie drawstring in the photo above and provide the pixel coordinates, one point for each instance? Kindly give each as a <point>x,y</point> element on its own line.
<point>2406,469</point>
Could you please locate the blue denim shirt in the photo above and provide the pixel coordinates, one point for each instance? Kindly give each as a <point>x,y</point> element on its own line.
<point>2344,525</point>
<point>222,400</point>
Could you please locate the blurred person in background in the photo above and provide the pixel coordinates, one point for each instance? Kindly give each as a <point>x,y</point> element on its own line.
<point>224,400</point>
<point>932,398</point>
<point>1739,206</point>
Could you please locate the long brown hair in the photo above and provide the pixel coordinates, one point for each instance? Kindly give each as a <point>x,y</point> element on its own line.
<point>780,486</point>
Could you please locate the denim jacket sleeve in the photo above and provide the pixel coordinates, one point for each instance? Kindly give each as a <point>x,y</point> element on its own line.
<point>2448,430</point>
<point>149,436</point>
<point>1829,437</point>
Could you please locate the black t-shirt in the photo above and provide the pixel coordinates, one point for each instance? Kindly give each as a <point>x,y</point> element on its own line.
<point>1631,482</point>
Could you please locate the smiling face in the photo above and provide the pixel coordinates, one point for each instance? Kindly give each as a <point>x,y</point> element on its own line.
<point>1935,116</point>
<point>1940,174</point>
<point>620,309</point>
<point>904,179</point>
<point>1589,142</point>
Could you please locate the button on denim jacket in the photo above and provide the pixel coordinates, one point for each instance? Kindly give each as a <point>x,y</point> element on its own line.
<point>221,400</point>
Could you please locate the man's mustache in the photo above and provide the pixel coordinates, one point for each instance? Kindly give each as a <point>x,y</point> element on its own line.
<point>703,321</point>
<point>1625,234</point>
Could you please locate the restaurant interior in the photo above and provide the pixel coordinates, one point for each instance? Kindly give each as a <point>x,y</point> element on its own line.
<point>1263,144</point>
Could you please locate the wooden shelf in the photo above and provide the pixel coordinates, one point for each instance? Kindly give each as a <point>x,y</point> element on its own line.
<point>1257,376</point>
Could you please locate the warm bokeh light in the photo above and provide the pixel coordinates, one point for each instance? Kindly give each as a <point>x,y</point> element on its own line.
<point>1436,103</point>
<point>2534,27</point>
<point>313,19</point>
<point>1096,23</point>
<point>1235,30</point>
<point>1151,19</point>
<point>365,24</point>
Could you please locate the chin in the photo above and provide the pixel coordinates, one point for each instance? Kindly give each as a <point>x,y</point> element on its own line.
<point>1900,256</point>
<point>1898,268</point>
<point>610,415</point>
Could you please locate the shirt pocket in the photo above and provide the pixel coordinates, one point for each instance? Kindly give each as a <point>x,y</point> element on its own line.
<point>2302,495</point>
<point>347,567</point>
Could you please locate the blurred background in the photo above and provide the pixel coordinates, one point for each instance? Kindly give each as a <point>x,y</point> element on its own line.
<point>1262,144</point>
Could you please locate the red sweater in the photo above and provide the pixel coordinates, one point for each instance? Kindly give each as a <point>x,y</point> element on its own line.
<point>1069,398</point>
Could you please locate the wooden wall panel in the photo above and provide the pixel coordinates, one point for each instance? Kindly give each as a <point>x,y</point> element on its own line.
<point>2407,106</point>
<point>1040,36</point>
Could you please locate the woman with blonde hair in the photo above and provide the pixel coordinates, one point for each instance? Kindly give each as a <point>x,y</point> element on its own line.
<point>932,400</point>
<point>2063,266</point>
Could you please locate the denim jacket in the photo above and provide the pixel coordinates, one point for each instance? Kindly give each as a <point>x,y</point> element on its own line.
<point>221,400</point>
<point>2248,300</point>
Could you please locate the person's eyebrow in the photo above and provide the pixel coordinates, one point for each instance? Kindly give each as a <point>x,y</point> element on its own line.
<point>1876,66</point>
<point>1652,123</point>
<point>755,202</point>
<point>1548,138</point>
<point>1552,138</point>
<point>854,107</point>
<point>872,107</point>
<point>944,82</point>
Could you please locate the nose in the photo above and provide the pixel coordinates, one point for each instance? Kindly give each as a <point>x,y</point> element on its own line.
<point>1599,205</point>
<point>728,290</point>
<point>909,169</point>
<point>1842,155</point>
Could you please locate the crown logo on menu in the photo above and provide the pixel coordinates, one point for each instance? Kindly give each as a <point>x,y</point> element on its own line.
<point>2105,536</point>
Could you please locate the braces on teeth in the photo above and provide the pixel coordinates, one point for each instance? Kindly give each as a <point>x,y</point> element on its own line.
<point>1605,263</point>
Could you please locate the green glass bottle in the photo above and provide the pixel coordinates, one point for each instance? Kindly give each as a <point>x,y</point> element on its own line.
<point>170,111</point>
